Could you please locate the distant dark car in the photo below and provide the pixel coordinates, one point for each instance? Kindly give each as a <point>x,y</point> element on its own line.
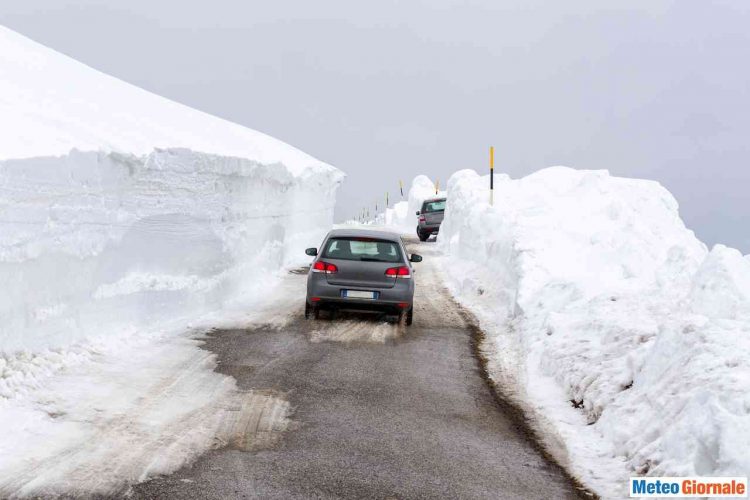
<point>430,217</point>
<point>361,270</point>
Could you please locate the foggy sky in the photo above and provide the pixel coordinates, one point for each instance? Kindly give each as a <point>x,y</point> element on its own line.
<point>386,90</point>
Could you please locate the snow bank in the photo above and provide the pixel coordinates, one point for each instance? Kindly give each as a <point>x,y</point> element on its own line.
<point>50,104</point>
<point>721,288</point>
<point>120,209</point>
<point>402,217</point>
<point>126,218</point>
<point>398,216</point>
<point>609,321</point>
<point>104,244</point>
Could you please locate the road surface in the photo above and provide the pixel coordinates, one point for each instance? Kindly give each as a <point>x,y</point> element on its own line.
<point>360,408</point>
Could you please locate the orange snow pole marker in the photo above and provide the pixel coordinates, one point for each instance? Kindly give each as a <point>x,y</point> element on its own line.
<point>401,187</point>
<point>437,186</point>
<point>492,175</point>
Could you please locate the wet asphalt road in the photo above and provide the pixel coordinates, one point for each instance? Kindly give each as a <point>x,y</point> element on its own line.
<point>377,411</point>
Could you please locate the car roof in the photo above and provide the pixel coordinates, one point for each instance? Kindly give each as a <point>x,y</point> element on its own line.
<point>436,198</point>
<point>364,233</point>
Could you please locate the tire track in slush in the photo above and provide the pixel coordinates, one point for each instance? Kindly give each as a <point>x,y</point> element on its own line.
<point>117,450</point>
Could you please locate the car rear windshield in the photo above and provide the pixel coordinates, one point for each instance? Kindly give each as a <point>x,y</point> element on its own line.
<point>434,206</point>
<point>364,249</point>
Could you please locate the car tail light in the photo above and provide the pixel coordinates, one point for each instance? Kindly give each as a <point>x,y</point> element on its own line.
<point>422,218</point>
<point>398,272</point>
<point>324,267</point>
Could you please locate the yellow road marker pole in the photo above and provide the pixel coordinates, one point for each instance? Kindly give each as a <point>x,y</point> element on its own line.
<point>492,175</point>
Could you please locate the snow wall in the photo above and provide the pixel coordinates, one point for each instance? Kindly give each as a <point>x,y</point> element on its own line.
<point>102,244</point>
<point>608,321</point>
<point>402,217</point>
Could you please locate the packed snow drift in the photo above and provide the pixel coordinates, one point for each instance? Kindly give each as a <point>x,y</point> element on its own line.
<point>104,243</point>
<point>609,322</point>
<point>125,218</point>
<point>402,217</point>
<point>50,104</point>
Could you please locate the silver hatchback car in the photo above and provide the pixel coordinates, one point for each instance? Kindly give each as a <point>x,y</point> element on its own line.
<point>430,217</point>
<point>361,270</point>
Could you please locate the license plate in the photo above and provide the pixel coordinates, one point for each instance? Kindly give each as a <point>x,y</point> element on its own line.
<point>358,294</point>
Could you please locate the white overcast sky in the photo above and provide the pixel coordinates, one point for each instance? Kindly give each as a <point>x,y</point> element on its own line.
<point>389,89</point>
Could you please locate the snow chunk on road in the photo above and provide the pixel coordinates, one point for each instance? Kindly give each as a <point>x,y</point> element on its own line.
<point>609,322</point>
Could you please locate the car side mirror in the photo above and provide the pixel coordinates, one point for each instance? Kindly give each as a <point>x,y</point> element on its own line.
<point>312,252</point>
<point>417,212</point>
<point>415,258</point>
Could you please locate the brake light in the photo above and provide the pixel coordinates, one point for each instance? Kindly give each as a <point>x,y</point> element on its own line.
<point>398,272</point>
<point>422,218</point>
<point>324,267</point>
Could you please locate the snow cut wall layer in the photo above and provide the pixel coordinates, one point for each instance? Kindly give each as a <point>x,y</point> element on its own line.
<point>121,210</point>
<point>105,244</point>
<point>609,321</point>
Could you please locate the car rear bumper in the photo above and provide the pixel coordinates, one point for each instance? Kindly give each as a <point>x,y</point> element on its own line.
<point>428,228</point>
<point>321,293</point>
<point>358,305</point>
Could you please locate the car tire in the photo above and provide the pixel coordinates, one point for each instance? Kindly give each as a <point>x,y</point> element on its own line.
<point>423,237</point>
<point>308,310</point>
<point>405,318</point>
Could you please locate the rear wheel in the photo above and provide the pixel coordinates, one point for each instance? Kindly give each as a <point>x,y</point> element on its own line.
<point>405,318</point>
<point>310,311</point>
<point>423,236</point>
<point>328,313</point>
